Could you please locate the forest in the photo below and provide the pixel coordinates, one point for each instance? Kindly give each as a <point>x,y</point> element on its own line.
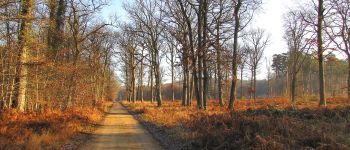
<point>186,70</point>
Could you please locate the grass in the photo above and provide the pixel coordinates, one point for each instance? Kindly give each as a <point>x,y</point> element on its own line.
<point>261,124</point>
<point>49,130</point>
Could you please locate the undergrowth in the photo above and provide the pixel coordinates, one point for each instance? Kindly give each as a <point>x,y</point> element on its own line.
<point>48,130</point>
<point>262,124</point>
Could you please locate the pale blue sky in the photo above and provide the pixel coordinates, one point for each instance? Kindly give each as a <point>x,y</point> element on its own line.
<point>115,7</point>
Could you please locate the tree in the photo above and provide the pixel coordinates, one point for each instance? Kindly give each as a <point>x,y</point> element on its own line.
<point>57,12</point>
<point>54,55</point>
<point>255,43</point>
<point>243,13</point>
<point>220,31</point>
<point>337,29</point>
<point>24,52</point>
<point>296,34</point>
<point>315,18</point>
<point>146,14</point>
<point>242,64</point>
<point>320,49</point>
<point>280,67</point>
<point>179,25</point>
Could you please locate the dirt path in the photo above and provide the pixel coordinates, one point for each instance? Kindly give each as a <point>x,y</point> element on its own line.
<point>120,131</point>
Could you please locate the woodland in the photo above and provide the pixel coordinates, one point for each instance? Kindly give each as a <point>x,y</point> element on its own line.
<point>186,69</point>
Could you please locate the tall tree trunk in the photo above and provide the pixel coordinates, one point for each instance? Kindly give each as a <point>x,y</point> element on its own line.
<point>254,82</point>
<point>251,84</point>
<point>204,55</point>
<point>141,79</point>
<point>172,76</point>
<point>158,86</point>
<point>152,89</point>
<point>194,78</point>
<point>192,85</point>
<point>348,79</point>
<point>24,54</point>
<point>235,53</point>
<point>156,63</point>
<point>184,88</point>
<point>320,13</point>
<point>219,62</point>
<point>242,83</point>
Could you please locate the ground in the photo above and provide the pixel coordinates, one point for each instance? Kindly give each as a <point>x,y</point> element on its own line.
<point>120,130</point>
<point>261,124</point>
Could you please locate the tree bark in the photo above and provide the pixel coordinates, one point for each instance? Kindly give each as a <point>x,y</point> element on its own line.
<point>24,54</point>
<point>293,89</point>
<point>348,79</point>
<point>320,13</point>
<point>234,54</point>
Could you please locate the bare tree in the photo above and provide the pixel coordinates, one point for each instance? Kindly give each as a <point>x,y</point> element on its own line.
<point>243,58</point>
<point>255,43</point>
<point>146,13</point>
<point>338,29</point>
<point>244,11</point>
<point>296,34</point>
<point>320,49</point>
<point>220,26</point>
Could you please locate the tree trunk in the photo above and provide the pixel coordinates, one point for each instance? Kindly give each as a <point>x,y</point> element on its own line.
<point>251,84</point>
<point>141,79</point>
<point>158,87</point>
<point>242,83</point>
<point>152,90</point>
<point>320,13</point>
<point>204,55</point>
<point>157,76</point>
<point>184,88</point>
<point>172,76</point>
<point>235,53</point>
<point>218,61</point>
<point>348,88</point>
<point>24,54</point>
<point>254,82</point>
<point>293,88</point>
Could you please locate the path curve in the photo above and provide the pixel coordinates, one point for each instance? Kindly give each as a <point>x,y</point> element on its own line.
<point>120,131</point>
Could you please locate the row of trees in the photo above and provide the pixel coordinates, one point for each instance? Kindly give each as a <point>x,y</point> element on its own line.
<point>305,83</point>
<point>191,35</point>
<point>205,40</point>
<point>305,29</point>
<point>55,54</point>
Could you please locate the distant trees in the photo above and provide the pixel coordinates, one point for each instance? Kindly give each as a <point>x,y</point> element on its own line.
<point>280,68</point>
<point>208,40</point>
<point>148,19</point>
<point>296,35</point>
<point>337,29</point>
<point>255,44</point>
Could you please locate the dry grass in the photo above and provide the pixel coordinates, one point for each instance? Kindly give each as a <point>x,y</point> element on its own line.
<point>261,124</point>
<point>47,130</point>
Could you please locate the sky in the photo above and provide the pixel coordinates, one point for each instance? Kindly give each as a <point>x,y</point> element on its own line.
<point>269,18</point>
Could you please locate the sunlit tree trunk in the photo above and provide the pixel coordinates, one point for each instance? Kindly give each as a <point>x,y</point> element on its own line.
<point>24,52</point>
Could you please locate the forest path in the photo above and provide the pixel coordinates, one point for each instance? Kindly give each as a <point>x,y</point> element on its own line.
<point>120,131</point>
